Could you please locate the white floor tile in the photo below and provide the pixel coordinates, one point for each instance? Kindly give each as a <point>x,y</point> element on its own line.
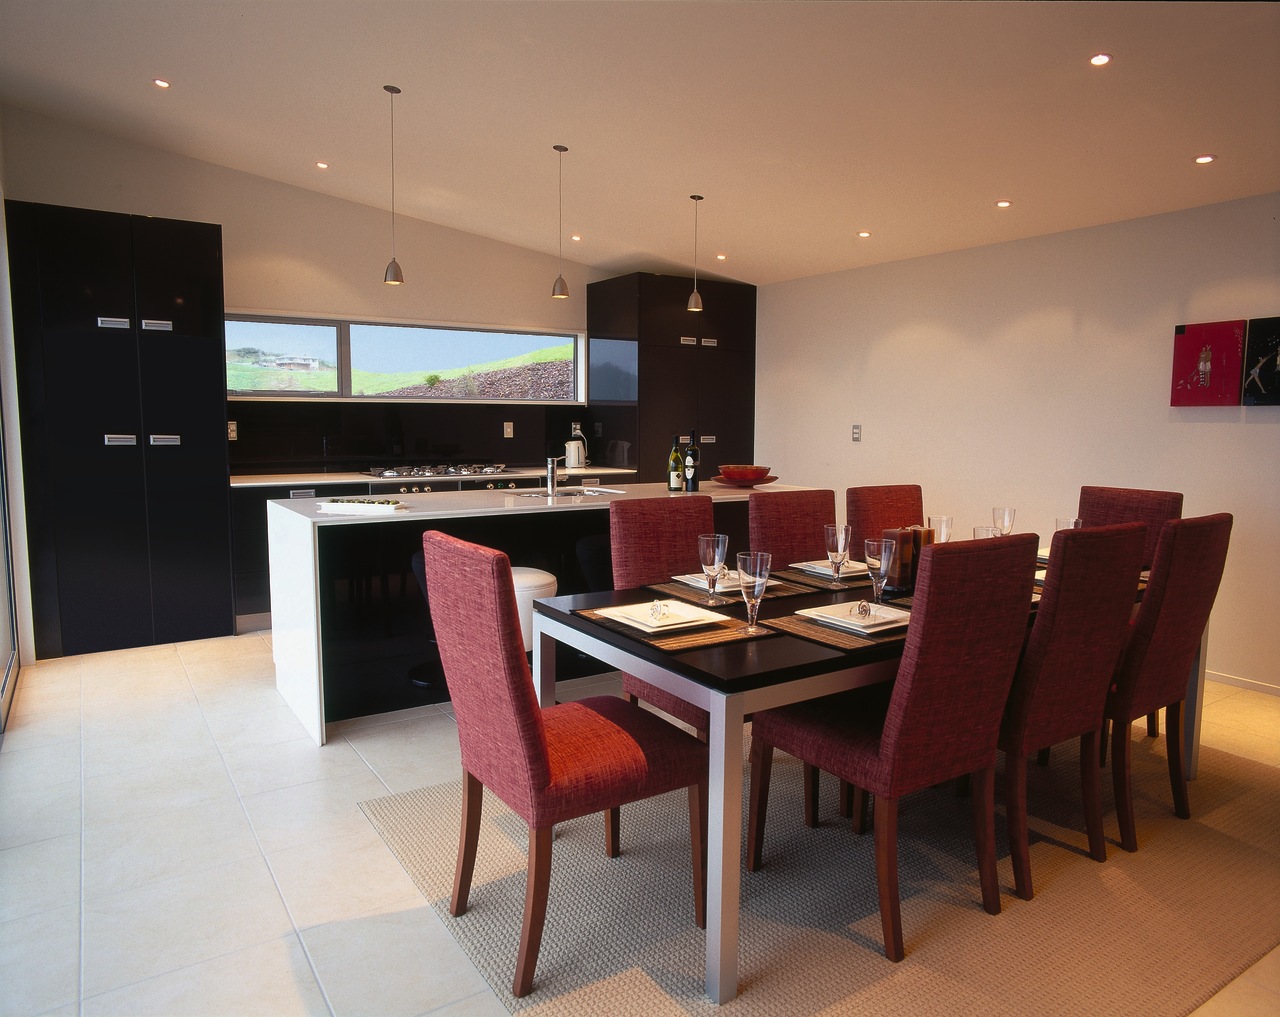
<point>256,769</point>
<point>319,810</point>
<point>40,962</point>
<point>39,876</point>
<point>39,813</point>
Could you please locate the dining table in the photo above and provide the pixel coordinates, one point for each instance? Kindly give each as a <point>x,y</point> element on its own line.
<point>731,673</point>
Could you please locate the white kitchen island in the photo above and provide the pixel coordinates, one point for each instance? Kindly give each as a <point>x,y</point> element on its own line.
<point>296,546</point>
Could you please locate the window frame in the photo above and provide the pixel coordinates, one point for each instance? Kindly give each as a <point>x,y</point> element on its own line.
<point>345,395</point>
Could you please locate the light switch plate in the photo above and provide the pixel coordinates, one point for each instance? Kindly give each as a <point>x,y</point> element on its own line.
<point>231,430</point>
<point>508,429</point>
<point>857,432</point>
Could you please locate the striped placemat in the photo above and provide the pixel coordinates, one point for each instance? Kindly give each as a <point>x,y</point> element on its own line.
<point>797,625</point>
<point>731,630</point>
<point>777,588</point>
<point>816,582</point>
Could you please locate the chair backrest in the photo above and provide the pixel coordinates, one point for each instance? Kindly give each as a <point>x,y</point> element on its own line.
<point>1090,587</point>
<point>968,623</point>
<point>1184,580</point>
<point>477,625</point>
<point>1102,506</point>
<point>872,510</point>
<point>788,524</point>
<point>653,539</point>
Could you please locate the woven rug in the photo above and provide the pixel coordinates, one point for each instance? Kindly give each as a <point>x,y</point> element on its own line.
<point>1150,933</point>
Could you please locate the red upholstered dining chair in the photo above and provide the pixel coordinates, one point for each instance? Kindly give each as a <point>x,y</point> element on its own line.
<point>651,540</point>
<point>788,524</point>
<point>1102,506</point>
<point>938,721</point>
<point>872,510</point>
<point>1061,684</point>
<point>549,765</point>
<point>1156,663</point>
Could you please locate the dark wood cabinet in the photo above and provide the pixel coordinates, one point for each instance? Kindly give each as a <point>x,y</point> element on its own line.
<point>696,370</point>
<point>118,326</point>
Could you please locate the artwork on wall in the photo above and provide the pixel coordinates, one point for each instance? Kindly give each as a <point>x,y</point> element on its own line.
<point>1207,361</point>
<point>1262,363</point>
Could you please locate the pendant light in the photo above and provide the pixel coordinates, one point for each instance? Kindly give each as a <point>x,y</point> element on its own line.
<point>560,290</point>
<point>393,276</point>
<point>695,298</point>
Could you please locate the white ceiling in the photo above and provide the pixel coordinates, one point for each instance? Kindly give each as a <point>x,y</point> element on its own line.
<point>800,122</point>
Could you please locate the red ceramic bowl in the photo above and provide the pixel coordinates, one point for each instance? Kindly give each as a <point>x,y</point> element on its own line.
<point>744,472</point>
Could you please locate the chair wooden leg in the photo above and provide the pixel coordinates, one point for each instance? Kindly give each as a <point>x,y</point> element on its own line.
<point>1015,804</point>
<point>612,832</point>
<point>1120,783</point>
<point>811,774</point>
<point>1042,757</point>
<point>1091,794</point>
<point>1173,745</point>
<point>859,810</point>
<point>758,800</point>
<point>468,837</point>
<point>1153,724</point>
<point>984,830</point>
<point>1103,738</point>
<point>846,799</point>
<point>537,885</point>
<point>886,824</point>
<point>698,840</point>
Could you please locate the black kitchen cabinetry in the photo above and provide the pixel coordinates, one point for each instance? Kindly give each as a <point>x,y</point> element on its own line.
<point>122,401</point>
<point>695,369</point>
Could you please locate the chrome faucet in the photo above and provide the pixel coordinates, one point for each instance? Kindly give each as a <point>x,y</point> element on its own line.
<point>551,474</point>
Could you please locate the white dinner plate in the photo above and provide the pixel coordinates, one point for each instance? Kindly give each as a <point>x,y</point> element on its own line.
<point>883,617</point>
<point>728,581</point>
<point>678,615</point>
<point>823,568</point>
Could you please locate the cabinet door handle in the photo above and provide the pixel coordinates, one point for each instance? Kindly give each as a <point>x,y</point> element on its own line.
<point>688,340</point>
<point>113,323</point>
<point>302,492</point>
<point>166,439</point>
<point>152,325</point>
<point>708,439</point>
<point>705,342</point>
<point>119,439</point>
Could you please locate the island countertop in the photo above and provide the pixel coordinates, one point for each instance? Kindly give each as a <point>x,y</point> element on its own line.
<point>510,473</point>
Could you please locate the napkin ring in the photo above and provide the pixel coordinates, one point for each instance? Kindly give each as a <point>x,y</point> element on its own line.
<point>862,608</point>
<point>658,610</point>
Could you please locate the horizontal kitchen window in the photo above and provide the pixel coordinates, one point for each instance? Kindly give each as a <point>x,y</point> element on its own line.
<point>299,358</point>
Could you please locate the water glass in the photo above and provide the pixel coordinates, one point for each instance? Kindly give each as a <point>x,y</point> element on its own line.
<point>753,570</point>
<point>712,548</point>
<point>878,555</point>
<point>1066,524</point>
<point>941,526</point>
<point>1003,519</point>
<point>837,538</point>
<point>981,532</point>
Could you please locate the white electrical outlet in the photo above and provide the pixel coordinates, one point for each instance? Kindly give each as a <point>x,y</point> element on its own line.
<point>508,429</point>
<point>857,432</point>
<point>231,430</point>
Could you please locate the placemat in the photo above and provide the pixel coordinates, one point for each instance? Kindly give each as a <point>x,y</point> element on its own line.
<point>776,588</point>
<point>731,630</point>
<point>816,632</point>
<point>816,582</point>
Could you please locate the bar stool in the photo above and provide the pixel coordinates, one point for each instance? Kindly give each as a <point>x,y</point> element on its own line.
<point>530,584</point>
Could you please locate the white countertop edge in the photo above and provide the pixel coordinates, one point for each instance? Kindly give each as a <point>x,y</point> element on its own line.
<point>311,479</point>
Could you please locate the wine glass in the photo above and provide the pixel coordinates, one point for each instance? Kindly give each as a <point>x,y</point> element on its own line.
<point>838,538</point>
<point>1003,519</point>
<point>879,558</point>
<point>941,526</point>
<point>753,571</point>
<point>1070,523</point>
<point>712,548</point>
<point>982,532</point>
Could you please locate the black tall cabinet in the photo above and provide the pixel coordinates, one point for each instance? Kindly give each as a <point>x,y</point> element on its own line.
<point>122,401</point>
<point>695,369</point>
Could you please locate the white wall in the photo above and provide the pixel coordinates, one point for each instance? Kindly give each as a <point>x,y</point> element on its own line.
<point>1013,374</point>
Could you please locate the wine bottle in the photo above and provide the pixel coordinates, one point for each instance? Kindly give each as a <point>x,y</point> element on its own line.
<point>675,466</point>
<point>691,463</point>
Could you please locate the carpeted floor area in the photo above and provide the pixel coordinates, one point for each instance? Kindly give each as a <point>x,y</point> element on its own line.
<point>1151,933</point>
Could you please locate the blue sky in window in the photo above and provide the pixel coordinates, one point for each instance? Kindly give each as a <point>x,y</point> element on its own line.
<point>391,348</point>
<point>282,338</point>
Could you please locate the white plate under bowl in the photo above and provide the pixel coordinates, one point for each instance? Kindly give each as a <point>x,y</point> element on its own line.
<point>883,619</point>
<point>823,568</point>
<point>680,615</point>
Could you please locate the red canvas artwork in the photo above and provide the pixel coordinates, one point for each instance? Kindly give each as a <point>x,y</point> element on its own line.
<point>1207,364</point>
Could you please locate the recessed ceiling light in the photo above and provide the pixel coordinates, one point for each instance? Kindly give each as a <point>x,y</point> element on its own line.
<point>576,237</point>
<point>322,165</point>
<point>160,82</point>
<point>864,234</point>
<point>1206,158</point>
<point>721,257</point>
<point>1100,59</point>
<point>1003,203</point>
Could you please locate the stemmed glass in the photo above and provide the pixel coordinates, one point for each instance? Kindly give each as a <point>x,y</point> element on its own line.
<point>941,526</point>
<point>838,538</point>
<point>879,558</point>
<point>1003,519</point>
<point>753,571</point>
<point>712,548</point>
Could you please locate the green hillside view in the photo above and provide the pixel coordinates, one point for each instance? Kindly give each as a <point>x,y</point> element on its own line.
<point>376,383</point>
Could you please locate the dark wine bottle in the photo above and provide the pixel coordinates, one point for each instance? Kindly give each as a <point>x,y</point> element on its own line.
<point>691,463</point>
<point>675,466</point>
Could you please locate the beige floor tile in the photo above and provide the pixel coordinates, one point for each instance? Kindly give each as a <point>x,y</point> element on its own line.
<point>1242,998</point>
<point>39,876</point>
<point>482,1004</point>
<point>338,878</point>
<point>136,687</point>
<point>135,659</point>
<point>1214,691</point>
<point>319,810</point>
<point>46,697</point>
<point>223,649</point>
<point>38,814</point>
<point>249,668</point>
<point>27,730</point>
<point>287,764</point>
<point>1248,712</point>
<point>352,957</point>
<point>268,726</point>
<point>156,737</point>
<point>273,979</point>
<point>178,922</point>
<point>234,699</point>
<point>345,727</point>
<point>131,853</point>
<point>40,962</point>
<point>56,669</point>
<point>149,789</point>
<point>429,741</point>
<point>1267,971</point>
<point>1229,738</point>
<point>44,764</point>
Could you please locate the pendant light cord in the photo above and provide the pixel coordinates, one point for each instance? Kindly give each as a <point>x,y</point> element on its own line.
<point>393,90</point>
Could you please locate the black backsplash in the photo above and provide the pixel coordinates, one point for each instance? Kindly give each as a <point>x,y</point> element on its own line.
<point>334,437</point>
